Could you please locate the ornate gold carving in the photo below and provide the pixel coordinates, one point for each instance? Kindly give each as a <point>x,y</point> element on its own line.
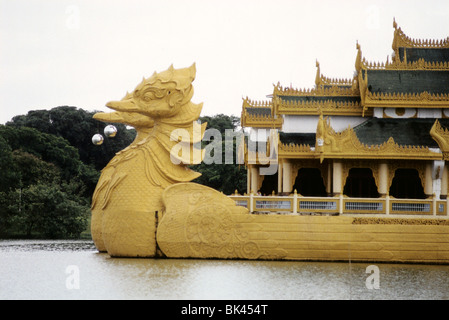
<point>437,222</point>
<point>441,136</point>
<point>200,222</point>
<point>259,120</point>
<point>299,150</point>
<point>319,91</point>
<point>420,64</point>
<point>327,107</point>
<point>420,166</point>
<point>321,80</point>
<point>421,100</point>
<point>345,144</point>
<point>401,40</point>
<point>129,192</point>
<point>248,103</point>
<point>395,100</point>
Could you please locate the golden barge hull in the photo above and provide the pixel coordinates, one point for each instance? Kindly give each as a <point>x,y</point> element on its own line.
<point>200,222</point>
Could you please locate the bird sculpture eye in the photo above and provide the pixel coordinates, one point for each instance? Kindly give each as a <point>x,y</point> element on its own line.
<point>153,94</point>
<point>148,96</point>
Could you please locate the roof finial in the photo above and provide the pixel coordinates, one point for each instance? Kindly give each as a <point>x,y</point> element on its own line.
<point>318,74</point>
<point>395,25</point>
<point>358,59</point>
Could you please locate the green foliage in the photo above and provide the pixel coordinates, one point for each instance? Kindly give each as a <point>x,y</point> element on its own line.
<point>49,169</point>
<point>43,185</point>
<point>77,126</point>
<point>221,176</point>
<point>8,177</point>
<point>48,161</point>
<point>46,210</point>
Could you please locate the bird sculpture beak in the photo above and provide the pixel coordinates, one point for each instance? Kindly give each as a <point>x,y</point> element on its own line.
<point>133,119</point>
<point>115,117</point>
<point>123,105</point>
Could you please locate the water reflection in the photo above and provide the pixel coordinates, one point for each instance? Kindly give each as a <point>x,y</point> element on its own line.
<point>46,245</point>
<point>38,270</point>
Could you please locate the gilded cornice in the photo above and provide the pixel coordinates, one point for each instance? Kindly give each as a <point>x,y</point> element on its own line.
<point>248,103</point>
<point>400,40</point>
<point>249,119</point>
<point>321,80</point>
<point>397,64</point>
<point>327,107</point>
<point>318,91</point>
<point>260,121</point>
<point>402,100</point>
<point>297,151</point>
<point>346,145</point>
<point>420,64</point>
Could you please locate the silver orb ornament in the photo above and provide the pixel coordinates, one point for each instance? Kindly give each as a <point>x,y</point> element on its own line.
<point>97,139</point>
<point>110,131</point>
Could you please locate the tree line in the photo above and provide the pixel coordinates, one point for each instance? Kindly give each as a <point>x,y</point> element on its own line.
<point>49,169</point>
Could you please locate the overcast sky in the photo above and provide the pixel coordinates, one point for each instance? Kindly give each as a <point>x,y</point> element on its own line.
<point>86,53</point>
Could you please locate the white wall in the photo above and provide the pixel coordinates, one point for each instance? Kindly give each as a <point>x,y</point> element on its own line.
<point>429,113</point>
<point>259,134</point>
<point>409,113</point>
<point>308,124</point>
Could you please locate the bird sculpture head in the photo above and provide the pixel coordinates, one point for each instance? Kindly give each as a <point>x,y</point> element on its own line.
<point>160,96</point>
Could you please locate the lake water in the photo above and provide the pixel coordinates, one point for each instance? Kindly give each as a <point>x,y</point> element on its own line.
<point>37,269</point>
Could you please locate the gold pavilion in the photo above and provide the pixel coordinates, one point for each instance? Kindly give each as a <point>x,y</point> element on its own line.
<point>378,141</point>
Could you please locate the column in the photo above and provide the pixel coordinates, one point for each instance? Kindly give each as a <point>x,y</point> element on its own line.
<point>254,179</point>
<point>437,177</point>
<point>444,180</point>
<point>280,175</point>
<point>429,181</point>
<point>287,177</point>
<point>383,179</point>
<point>337,177</point>
<point>329,179</point>
<point>248,180</point>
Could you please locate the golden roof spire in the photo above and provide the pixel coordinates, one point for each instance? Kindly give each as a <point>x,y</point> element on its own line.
<point>318,74</point>
<point>358,59</point>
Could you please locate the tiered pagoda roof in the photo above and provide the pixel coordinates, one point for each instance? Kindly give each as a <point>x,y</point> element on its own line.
<point>416,77</point>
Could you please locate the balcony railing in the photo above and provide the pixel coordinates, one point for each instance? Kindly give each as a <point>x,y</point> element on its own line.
<point>297,204</point>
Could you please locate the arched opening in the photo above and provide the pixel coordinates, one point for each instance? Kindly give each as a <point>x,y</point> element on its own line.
<point>269,184</point>
<point>309,183</point>
<point>407,184</point>
<point>361,184</point>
